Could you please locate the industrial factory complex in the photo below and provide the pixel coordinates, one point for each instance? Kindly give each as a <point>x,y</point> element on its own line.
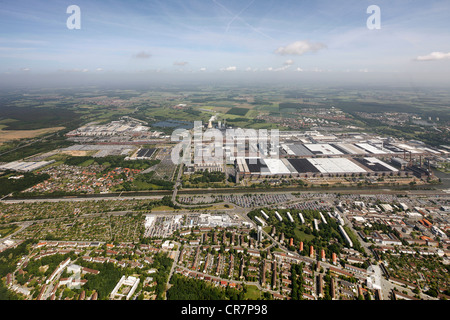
<point>303,167</point>
<point>311,154</point>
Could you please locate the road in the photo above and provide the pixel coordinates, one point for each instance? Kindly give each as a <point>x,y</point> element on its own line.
<point>160,193</point>
<point>174,264</point>
<point>22,226</point>
<point>177,183</point>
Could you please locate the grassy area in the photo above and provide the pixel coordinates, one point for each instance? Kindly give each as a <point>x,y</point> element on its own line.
<point>9,135</point>
<point>15,150</point>
<point>302,235</point>
<point>29,179</point>
<point>163,208</point>
<point>221,207</point>
<point>7,230</point>
<point>238,111</point>
<point>87,163</point>
<point>253,293</point>
<point>204,179</point>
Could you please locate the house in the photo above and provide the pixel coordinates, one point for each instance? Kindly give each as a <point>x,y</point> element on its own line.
<point>401,296</point>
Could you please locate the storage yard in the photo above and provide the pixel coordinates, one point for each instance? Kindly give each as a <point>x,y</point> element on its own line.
<point>99,150</point>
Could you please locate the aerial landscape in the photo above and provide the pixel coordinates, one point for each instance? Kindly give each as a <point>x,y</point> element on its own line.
<point>225,151</point>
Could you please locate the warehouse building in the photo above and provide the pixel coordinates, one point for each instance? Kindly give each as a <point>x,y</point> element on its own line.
<point>25,166</point>
<point>258,167</point>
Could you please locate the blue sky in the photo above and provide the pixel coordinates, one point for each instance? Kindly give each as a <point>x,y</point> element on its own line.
<point>224,36</point>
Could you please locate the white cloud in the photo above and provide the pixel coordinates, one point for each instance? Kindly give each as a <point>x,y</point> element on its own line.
<point>300,48</point>
<point>434,56</point>
<point>99,69</point>
<point>299,69</point>
<point>231,68</point>
<point>142,55</point>
<point>180,63</point>
<point>289,62</point>
<point>73,70</point>
<point>281,68</point>
<point>203,69</point>
<point>277,69</point>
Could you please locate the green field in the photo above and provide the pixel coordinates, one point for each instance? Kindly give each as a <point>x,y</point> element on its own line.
<point>253,293</point>
<point>7,230</point>
<point>303,236</point>
<point>238,111</point>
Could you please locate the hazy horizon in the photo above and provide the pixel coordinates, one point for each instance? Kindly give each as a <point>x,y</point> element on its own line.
<point>151,79</point>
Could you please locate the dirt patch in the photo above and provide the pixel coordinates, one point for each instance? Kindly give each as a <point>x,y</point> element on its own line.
<point>77,153</point>
<point>9,135</point>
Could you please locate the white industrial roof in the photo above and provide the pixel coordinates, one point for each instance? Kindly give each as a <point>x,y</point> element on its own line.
<point>24,166</point>
<point>325,148</point>
<point>407,147</point>
<point>336,165</point>
<point>351,148</point>
<point>276,166</point>
<point>375,160</point>
<point>372,149</point>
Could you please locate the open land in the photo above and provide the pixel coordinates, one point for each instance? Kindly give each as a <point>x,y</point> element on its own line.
<point>9,135</point>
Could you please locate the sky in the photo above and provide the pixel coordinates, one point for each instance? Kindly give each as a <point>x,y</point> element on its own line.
<point>252,38</point>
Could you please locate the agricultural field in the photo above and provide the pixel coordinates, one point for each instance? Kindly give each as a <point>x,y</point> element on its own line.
<point>9,135</point>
